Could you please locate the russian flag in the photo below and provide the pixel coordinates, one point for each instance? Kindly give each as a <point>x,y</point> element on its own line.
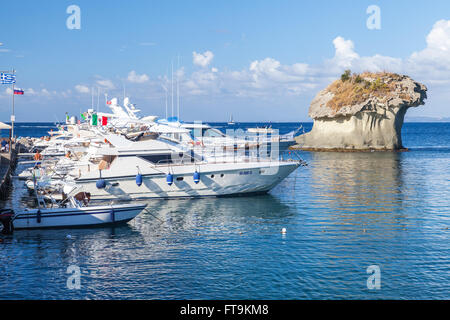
<point>18,91</point>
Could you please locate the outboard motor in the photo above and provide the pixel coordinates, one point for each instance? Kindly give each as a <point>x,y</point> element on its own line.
<point>6,218</point>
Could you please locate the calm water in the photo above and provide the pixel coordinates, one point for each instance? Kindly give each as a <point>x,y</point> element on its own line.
<point>343,213</point>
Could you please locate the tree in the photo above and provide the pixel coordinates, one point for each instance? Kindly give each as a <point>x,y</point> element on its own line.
<point>346,75</point>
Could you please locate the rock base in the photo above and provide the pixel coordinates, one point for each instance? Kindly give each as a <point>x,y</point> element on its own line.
<point>366,130</point>
<point>299,147</point>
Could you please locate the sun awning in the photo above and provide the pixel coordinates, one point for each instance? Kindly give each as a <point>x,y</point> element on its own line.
<point>4,126</point>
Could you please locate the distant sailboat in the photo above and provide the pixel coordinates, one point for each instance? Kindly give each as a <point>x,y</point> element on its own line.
<point>231,122</point>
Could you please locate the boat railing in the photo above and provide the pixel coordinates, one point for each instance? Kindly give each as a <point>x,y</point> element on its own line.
<point>217,159</point>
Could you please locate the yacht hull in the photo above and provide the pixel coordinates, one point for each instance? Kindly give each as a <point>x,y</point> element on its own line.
<point>212,183</point>
<point>76,217</point>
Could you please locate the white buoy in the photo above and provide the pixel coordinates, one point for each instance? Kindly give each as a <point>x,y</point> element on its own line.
<point>69,236</point>
<point>283,231</point>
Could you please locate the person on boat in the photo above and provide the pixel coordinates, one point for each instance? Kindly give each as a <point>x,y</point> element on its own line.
<point>84,197</point>
<point>37,156</point>
<point>4,143</point>
<point>68,154</point>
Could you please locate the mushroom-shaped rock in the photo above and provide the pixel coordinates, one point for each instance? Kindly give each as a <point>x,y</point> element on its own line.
<point>362,111</point>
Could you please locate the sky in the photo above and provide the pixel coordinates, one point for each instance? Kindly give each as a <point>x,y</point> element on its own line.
<point>257,60</point>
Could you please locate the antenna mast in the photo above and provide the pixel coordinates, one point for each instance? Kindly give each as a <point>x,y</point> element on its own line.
<point>98,98</point>
<point>123,85</point>
<point>172,88</point>
<point>165,90</point>
<point>178,90</point>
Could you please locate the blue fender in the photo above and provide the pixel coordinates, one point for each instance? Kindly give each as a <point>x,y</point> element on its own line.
<point>139,179</point>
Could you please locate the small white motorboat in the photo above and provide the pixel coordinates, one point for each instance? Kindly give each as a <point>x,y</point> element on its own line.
<point>71,212</point>
<point>261,130</point>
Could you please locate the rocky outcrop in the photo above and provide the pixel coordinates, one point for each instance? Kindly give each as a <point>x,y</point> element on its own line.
<point>361,112</point>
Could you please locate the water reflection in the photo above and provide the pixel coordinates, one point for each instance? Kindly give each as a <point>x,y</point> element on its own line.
<point>343,212</point>
<point>369,190</point>
<point>145,253</point>
<point>349,181</point>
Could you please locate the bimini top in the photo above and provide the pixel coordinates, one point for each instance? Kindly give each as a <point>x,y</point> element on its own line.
<point>4,126</point>
<point>122,146</point>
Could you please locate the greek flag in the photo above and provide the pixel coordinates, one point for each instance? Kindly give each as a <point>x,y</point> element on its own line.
<point>7,78</point>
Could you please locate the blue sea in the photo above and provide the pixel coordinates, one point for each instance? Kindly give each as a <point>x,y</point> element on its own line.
<point>344,214</point>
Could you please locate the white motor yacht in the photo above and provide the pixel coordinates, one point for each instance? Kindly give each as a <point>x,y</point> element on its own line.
<point>163,169</point>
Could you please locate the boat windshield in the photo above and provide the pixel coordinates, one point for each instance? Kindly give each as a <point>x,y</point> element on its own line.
<point>213,133</point>
<point>206,133</point>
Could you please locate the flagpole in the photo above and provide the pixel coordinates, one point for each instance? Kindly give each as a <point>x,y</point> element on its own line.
<point>13,117</point>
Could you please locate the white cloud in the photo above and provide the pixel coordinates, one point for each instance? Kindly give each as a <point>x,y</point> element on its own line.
<point>202,59</point>
<point>202,82</point>
<point>434,61</point>
<point>45,92</point>
<point>269,78</point>
<point>82,88</point>
<point>438,44</point>
<point>30,92</point>
<point>347,58</point>
<point>106,84</point>
<point>136,78</point>
<point>5,50</point>
<point>345,54</point>
<point>38,93</point>
<point>430,64</point>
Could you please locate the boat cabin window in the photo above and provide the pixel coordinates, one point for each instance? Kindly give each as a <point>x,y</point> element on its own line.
<point>158,158</point>
<point>174,158</point>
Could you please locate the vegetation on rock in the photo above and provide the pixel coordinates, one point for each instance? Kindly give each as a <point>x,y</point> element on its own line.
<point>352,89</point>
